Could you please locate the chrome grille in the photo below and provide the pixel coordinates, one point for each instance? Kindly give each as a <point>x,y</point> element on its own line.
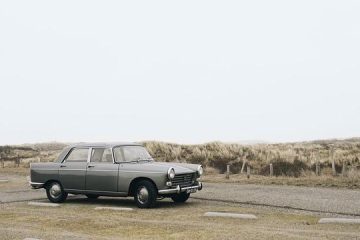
<point>183,180</point>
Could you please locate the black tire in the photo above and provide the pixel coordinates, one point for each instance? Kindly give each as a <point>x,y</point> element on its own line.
<point>181,197</point>
<point>92,196</point>
<point>145,188</point>
<point>55,192</point>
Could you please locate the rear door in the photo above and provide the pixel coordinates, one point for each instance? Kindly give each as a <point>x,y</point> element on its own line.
<point>72,170</point>
<point>102,171</point>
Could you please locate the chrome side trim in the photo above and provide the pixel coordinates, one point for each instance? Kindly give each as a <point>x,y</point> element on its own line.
<point>138,171</point>
<point>102,193</point>
<point>105,170</point>
<point>46,169</point>
<point>69,169</point>
<point>179,189</point>
<point>70,189</point>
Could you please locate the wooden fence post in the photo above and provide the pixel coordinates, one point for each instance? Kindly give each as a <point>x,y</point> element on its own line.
<point>248,171</point>
<point>343,171</point>
<point>227,171</point>
<point>317,170</point>
<point>271,170</point>
<point>243,166</point>
<point>2,162</point>
<point>17,160</point>
<point>333,162</point>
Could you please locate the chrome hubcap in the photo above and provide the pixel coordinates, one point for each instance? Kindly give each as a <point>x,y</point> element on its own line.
<point>55,190</point>
<point>143,195</point>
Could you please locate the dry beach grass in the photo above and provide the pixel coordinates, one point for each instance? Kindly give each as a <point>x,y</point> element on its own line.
<point>351,182</point>
<point>288,159</point>
<point>311,180</point>
<point>78,219</point>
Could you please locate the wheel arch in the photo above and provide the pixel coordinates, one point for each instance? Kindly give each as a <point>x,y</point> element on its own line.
<point>51,181</point>
<point>137,180</point>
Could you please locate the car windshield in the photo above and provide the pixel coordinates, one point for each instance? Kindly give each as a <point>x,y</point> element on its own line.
<point>131,153</point>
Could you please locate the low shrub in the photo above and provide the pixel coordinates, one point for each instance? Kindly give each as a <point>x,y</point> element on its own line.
<point>327,165</point>
<point>281,167</point>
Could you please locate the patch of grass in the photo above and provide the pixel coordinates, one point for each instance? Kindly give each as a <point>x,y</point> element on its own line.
<point>77,219</point>
<point>309,181</point>
<point>23,171</point>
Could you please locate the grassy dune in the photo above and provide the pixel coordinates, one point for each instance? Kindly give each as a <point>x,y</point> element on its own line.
<point>289,159</point>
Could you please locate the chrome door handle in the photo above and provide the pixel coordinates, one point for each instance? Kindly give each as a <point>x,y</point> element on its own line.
<point>62,166</point>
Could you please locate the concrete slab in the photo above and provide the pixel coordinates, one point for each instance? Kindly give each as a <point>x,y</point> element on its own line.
<point>114,208</point>
<point>340,220</point>
<point>230,215</point>
<point>4,180</point>
<point>42,204</point>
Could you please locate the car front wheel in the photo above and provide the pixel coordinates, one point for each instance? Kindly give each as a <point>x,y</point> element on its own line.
<point>145,194</point>
<point>56,193</point>
<point>181,197</point>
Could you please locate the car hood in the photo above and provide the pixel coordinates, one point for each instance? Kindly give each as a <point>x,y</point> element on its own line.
<point>179,168</point>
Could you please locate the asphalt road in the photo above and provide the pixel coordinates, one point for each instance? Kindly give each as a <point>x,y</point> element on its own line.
<point>323,200</point>
<point>19,195</point>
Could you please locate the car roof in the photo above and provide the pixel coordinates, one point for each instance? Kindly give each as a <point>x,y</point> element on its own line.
<point>104,144</point>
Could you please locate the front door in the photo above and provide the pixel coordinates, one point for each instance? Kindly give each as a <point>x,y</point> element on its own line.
<point>72,170</point>
<point>102,171</point>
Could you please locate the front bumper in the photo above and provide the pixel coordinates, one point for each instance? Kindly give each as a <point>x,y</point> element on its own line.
<point>179,189</point>
<point>36,185</point>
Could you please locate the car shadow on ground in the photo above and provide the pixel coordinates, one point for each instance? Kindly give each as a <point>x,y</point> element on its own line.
<point>124,202</point>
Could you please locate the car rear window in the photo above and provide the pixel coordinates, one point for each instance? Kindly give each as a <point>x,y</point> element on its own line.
<point>78,155</point>
<point>101,155</point>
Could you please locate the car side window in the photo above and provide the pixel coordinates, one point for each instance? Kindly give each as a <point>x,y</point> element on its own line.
<point>101,155</point>
<point>119,157</point>
<point>78,155</point>
<point>131,154</point>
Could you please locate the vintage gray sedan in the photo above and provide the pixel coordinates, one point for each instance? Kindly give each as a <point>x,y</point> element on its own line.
<point>115,169</point>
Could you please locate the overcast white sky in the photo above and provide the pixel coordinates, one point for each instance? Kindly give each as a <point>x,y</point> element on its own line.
<point>179,71</point>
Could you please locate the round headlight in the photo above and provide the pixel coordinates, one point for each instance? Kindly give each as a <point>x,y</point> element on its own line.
<point>200,170</point>
<point>171,173</point>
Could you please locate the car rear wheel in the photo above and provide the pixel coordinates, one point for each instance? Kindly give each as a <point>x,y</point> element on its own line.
<point>145,194</point>
<point>55,192</point>
<point>181,197</point>
<point>92,196</point>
